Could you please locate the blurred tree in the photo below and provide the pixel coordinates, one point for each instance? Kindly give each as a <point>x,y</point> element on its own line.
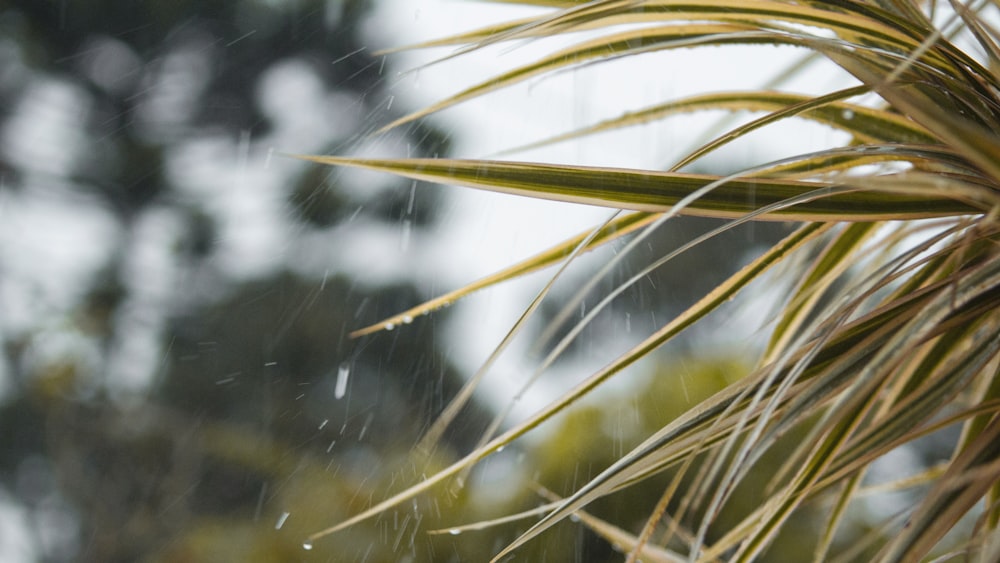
<point>174,399</point>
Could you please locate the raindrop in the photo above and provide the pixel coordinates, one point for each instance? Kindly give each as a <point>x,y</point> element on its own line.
<point>413,196</point>
<point>244,149</point>
<point>281,520</point>
<point>454,531</point>
<point>574,517</point>
<point>341,388</point>
<point>307,546</point>
<point>389,326</point>
<point>848,114</point>
<point>364,427</point>
<point>322,425</point>
<point>407,319</point>
<point>500,449</point>
<point>404,243</point>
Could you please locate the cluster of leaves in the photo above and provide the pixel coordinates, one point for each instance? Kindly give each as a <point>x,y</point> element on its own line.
<point>891,333</point>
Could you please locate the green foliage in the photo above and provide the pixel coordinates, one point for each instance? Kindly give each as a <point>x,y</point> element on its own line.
<point>891,333</point>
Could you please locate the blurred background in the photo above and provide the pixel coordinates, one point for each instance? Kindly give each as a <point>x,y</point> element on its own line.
<point>176,379</point>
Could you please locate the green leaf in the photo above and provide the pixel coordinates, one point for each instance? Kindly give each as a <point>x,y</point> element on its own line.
<point>650,191</point>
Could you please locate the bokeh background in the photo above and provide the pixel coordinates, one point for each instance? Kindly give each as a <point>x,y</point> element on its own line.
<point>176,379</point>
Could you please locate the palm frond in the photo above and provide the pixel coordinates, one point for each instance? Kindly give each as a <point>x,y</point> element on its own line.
<point>890,332</point>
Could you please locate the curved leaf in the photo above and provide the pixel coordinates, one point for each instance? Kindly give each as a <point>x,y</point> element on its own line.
<point>617,228</point>
<point>867,125</point>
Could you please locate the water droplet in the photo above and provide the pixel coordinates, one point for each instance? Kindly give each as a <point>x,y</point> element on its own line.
<point>404,242</point>
<point>322,425</point>
<point>307,545</point>
<point>281,520</point>
<point>454,531</point>
<point>341,388</point>
<point>574,517</point>
<point>389,326</point>
<point>364,427</point>
<point>500,449</point>
<point>413,189</point>
<point>407,319</point>
<point>848,114</point>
